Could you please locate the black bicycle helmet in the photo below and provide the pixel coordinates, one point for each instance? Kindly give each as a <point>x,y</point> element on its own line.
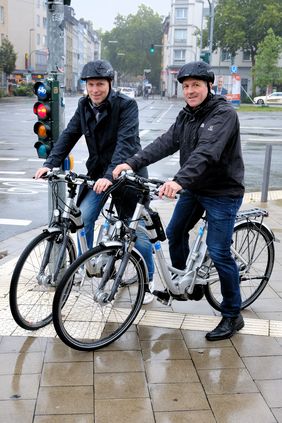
<point>97,69</point>
<point>198,70</point>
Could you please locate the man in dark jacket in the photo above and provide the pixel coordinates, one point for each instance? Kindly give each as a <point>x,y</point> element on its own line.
<point>109,121</point>
<point>207,134</point>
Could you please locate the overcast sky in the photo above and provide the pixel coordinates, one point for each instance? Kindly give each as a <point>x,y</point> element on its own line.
<point>103,12</point>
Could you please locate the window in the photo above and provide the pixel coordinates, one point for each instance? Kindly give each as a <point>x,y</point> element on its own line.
<point>38,39</point>
<point>225,55</point>
<point>37,20</point>
<point>179,56</point>
<point>44,22</point>
<point>180,36</point>
<point>246,55</point>
<point>180,13</point>
<point>44,40</point>
<point>1,14</point>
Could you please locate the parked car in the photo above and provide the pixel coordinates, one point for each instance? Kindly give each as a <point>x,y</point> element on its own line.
<point>274,98</point>
<point>130,92</point>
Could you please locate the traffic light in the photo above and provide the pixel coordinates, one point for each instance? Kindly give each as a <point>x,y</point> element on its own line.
<point>205,56</point>
<point>152,49</point>
<point>47,112</point>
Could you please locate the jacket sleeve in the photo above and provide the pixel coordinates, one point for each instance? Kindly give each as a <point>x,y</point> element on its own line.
<point>65,142</point>
<point>163,146</point>
<point>217,135</point>
<point>127,140</point>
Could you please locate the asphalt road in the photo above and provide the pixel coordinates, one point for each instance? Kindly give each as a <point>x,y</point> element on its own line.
<point>24,202</point>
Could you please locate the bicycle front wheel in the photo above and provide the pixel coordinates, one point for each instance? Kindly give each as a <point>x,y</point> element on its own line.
<point>95,312</point>
<point>31,291</point>
<point>254,255</point>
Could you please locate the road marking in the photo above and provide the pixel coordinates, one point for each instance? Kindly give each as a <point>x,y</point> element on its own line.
<point>36,181</point>
<point>11,172</point>
<point>15,222</point>
<point>164,113</point>
<point>257,128</point>
<point>144,132</point>
<point>8,159</point>
<point>274,140</point>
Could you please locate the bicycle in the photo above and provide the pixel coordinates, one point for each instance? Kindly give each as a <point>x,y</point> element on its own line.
<point>99,310</point>
<point>43,261</point>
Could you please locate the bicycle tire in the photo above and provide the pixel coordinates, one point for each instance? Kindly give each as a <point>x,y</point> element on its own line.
<point>254,243</point>
<point>30,301</point>
<point>82,317</point>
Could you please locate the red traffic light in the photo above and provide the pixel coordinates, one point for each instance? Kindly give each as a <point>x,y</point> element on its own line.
<point>42,110</point>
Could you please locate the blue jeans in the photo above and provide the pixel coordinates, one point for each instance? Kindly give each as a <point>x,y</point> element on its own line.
<point>90,208</point>
<point>221,214</point>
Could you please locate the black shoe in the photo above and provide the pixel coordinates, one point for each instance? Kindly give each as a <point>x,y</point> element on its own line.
<point>226,328</point>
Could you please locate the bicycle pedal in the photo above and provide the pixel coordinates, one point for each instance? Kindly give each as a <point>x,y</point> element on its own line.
<point>162,296</point>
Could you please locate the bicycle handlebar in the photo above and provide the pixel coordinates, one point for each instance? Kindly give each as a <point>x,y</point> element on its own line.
<point>152,183</point>
<point>55,174</point>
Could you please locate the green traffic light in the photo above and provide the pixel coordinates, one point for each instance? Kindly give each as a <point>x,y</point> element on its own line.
<point>152,49</point>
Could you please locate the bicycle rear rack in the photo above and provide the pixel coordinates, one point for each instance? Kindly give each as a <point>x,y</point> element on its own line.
<point>251,213</point>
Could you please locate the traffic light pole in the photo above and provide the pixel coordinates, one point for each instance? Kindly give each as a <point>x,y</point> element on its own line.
<point>56,47</point>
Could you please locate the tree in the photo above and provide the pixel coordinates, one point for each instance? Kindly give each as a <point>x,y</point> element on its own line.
<point>243,24</point>
<point>267,72</point>
<point>127,45</point>
<point>8,57</point>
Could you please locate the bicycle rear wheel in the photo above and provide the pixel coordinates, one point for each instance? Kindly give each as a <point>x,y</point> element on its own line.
<point>31,292</point>
<point>255,259</point>
<point>83,315</point>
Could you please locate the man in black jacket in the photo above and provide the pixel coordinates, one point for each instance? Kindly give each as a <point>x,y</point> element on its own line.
<point>207,134</point>
<point>109,121</point>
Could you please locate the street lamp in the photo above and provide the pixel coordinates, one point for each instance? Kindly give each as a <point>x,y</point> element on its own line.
<point>29,48</point>
<point>211,20</point>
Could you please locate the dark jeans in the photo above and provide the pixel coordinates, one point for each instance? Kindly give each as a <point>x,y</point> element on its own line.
<point>221,214</point>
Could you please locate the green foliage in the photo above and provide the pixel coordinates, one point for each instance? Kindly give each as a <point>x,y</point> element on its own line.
<point>24,90</point>
<point>243,24</point>
<point>8,57</point>
<point>133,36</point>
<point>267,71</point>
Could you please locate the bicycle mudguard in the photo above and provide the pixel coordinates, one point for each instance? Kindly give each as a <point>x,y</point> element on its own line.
<point>258,225</point>
<point>137,255</point>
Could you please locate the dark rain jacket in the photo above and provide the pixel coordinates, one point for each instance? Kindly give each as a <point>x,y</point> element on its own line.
<point>110,140</point>
<point>208,139</point>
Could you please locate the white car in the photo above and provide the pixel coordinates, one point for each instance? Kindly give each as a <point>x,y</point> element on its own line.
<point>274,98</point>
<point>130,92</point>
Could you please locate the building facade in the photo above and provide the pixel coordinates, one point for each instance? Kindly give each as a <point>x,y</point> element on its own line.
<point>182,42</point>
<point>24,23</point>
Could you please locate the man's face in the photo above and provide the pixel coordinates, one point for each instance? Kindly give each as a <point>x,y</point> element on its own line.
<point>195,91</point>
<point>98,90</point>
<point>220,82</point>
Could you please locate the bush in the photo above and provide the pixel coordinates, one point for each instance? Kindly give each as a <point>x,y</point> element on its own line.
<point>24,90</point>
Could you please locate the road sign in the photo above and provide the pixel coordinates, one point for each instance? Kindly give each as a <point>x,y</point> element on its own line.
<point>234,69</point>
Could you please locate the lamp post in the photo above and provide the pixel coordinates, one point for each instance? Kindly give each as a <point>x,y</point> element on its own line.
<point>29,49</point>
<point>211,24</point>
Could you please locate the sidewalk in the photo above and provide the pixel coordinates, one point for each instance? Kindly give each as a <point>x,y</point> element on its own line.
<point>162,370</point>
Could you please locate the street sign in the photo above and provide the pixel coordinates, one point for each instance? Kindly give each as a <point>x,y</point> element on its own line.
<point>234,69</point>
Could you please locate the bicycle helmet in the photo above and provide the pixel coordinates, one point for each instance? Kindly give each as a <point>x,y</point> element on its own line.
<point>198,70</point>
<point>97,69</point>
